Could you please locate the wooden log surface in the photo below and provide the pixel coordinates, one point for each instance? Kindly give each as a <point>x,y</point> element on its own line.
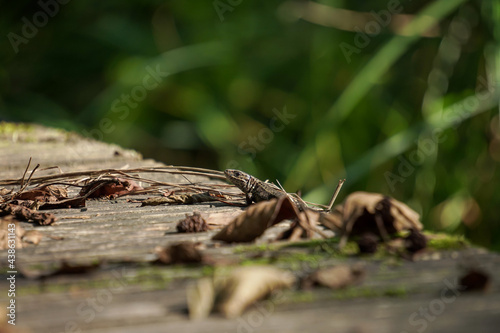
<point>128,294</point>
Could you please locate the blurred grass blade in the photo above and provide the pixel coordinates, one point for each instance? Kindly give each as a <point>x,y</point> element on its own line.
<point>369,76</point>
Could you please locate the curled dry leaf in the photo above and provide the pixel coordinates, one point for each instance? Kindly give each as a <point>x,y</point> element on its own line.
<point>111,188</point>
<point>180,253</point>
<point>256,219</point>
<point>244,286</point>
<point>46,193</point>
<point>375,213</point>
<point>335,277</point>
<point>192,223</point>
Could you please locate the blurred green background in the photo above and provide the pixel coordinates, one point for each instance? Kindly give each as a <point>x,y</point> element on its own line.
<point>398,97</point>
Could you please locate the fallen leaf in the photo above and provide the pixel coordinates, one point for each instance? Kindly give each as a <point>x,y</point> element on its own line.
<point>256,219</point>
<point>246,285</point>
<point>364,212</point>
<point>111,188</point>
<point>180,253</point>
<point>46,193</point>
<point>192,223</point>
<point>335,277</point>
<point>220,219</point>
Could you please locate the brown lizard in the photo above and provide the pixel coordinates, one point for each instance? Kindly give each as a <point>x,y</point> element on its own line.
<point>255,189</point>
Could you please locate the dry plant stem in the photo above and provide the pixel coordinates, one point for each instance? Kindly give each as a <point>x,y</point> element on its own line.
<point>335,194</point>
<point>95,173</point>
<point>24,174</point>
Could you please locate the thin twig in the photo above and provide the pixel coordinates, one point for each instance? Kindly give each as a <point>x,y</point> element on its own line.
<point>24,174</point>
<point>337,190</point>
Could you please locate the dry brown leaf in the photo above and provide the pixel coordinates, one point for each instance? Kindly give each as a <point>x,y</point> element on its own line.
<point>335,277</point>
<point>220,219</point>
<point>111,188</point>
<point>244,286</point>
<point>364,212</point>
<point>45,193</point>
<point>192,223</point>
<point>32,237</point>
<point>256,219</point>
<point>180,253</point>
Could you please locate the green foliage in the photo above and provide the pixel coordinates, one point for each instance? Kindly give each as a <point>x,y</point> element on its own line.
<point>268,87</point>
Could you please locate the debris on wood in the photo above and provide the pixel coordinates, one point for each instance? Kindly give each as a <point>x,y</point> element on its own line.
<point>109,188</point>
<point>192,223</point>
<point>77,202</point>
<point>256,219</point>
<point>25,214</point>
<point>180,253</point>
<point>335,277</point>
<point>44,193</point>
<point>230,294</point>
<point>475,280</point>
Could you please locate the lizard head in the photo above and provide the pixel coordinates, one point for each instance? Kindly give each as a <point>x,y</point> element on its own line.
<point>238,178</point>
